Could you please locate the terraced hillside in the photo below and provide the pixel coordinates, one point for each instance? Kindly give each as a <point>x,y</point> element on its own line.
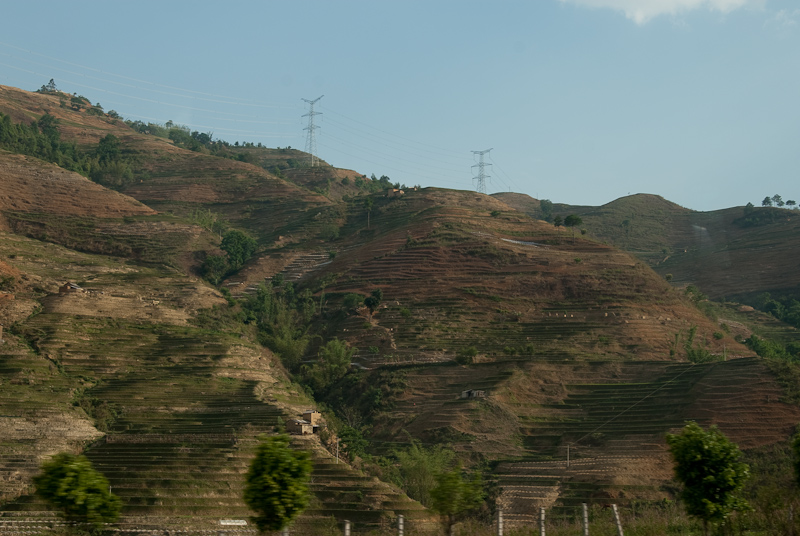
<point>169,411</point>
<point>562,340</point>
<point>455,277</point>
<point>559,434</point>
<point>727,253</point>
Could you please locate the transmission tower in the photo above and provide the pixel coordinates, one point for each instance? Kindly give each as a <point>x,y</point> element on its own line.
<point>311,142</point>
<point>481,178</point>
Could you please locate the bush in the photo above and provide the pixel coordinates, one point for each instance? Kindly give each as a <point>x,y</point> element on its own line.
<point>351,301</point>
<point>466,356</point>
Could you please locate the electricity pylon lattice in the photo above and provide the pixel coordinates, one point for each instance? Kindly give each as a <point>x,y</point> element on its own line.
<point>481,177</point>
<point>311,141</point>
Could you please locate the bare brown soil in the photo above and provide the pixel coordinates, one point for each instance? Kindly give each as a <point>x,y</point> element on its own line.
<point>30,185</point>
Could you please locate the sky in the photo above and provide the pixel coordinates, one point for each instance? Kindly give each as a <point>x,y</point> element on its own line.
<point>580,101</point>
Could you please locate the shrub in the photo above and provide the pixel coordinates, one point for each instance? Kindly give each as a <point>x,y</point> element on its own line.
<point>466,356</point>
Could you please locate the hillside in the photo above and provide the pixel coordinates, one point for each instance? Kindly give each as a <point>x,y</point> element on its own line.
<point>165,381</point>
<point>733,253</point>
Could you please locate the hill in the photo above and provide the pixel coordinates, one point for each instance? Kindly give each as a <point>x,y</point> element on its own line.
<point>498,336</point>
<point>734,253</point>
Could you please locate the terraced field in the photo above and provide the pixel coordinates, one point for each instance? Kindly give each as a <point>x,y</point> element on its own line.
<point>169,412</point>
<point>575,348</point>
<point>452,280</point>
<point>615,432</point>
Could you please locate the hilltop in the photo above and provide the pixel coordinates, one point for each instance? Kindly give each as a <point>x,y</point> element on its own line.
<point>497,335</point>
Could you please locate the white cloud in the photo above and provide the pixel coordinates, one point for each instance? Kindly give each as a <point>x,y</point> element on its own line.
<point>641,11</point>
<point>784,19</point>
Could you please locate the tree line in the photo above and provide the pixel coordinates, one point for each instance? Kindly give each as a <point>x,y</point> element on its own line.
<point>105,164</point>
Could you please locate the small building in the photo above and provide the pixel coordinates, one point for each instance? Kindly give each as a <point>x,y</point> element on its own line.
<point>299,427</point>
<point>394,192</point>
<point>313,416</point>
<point>473,393</point>
<point>68,288</point>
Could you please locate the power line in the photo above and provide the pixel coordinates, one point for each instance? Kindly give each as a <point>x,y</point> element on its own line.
<point>409,153</point>
<point>405,148</point>
<point>243,102</point>
<point>621,413</point>
<point>426,145</point>
<point>516,186</point>
<point>384,166</point>
<point>328,135</point>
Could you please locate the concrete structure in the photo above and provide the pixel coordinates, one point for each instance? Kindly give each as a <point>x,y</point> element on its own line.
<point>299,427</point>
<point>313,416</point>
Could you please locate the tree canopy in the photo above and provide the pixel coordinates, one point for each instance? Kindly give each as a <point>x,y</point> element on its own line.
<point>71,484</point>
<point>417,467</point>
<point>373,300</point>
<point>455,494</point>
<point>276,486</point>
<point>573,221</point>
<point>333,362</point>
<point>707,464</point>
<point>239,248</point>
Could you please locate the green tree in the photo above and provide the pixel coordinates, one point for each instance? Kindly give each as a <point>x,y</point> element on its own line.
<point>373,300</point>
<point>368,203</point>
<point>778,200</point>
<point>333,362</point>
<point>48,125</point>
<point>546,206</point>
<point>573,221</point>
<point>557,221</point>
<point>50,87</point>
<point>108,150</point>
<point>708,466</point>
<point>353,441</point>
<point>276,485</point>
<point>239,248</point>
<point>767,202</point>
<point>71,484</point>
<point>214,268</point>
<point>418,467</point>
<point>455,494</point>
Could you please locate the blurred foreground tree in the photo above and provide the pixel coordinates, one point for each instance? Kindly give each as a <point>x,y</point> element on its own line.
<point>455,494</point>
<point>276,486</point>
<point>70,483</point>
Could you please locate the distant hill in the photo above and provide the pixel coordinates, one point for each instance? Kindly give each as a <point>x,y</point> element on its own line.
<point>734,253</point>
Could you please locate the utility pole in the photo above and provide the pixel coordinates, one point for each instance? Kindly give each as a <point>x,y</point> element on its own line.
<point>617,521</point>
<point>311,142</point>
<point>585,519</point>
<point>481,178</point>
<point>541,522</point>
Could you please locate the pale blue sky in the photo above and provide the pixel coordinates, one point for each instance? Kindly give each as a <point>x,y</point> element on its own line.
<point>582,101</point>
